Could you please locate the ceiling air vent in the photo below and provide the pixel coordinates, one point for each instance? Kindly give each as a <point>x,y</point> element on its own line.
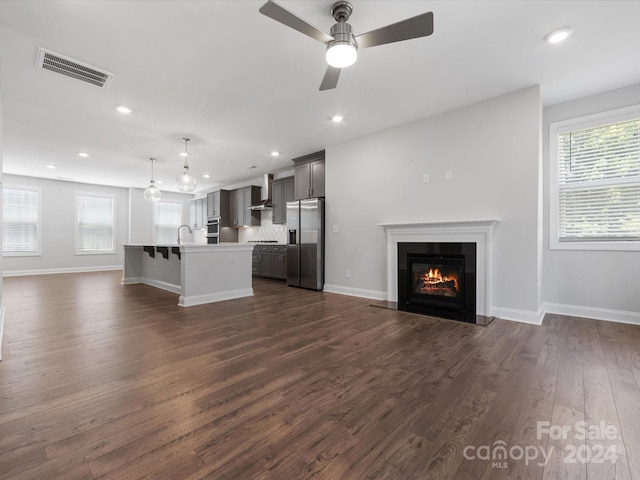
<point>72,68</point>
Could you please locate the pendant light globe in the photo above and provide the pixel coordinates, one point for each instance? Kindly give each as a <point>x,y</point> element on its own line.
<point>185,181</point>
<point>152,193</point>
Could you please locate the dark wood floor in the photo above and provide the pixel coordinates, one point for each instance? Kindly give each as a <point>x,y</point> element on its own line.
<point>107,381</point>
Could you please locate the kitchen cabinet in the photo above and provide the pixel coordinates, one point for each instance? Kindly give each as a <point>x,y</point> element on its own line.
<point>309,176</point>
<point>270,261</point>
<point>266,263</point>
<point>279,254</point>
<point>236,201</point>
<point>240,200</point>
<point>282,191</point>
<point>198,213</point>
<point>213,204</point>
<point>218,206</point>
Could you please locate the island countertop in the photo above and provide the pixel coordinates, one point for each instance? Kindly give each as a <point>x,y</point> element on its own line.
<point>187,246</point>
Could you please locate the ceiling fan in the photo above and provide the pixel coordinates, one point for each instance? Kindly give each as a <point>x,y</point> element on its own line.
<point>342,45</point>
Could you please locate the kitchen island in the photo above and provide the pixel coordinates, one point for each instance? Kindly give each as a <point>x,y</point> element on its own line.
<point>198,273</point>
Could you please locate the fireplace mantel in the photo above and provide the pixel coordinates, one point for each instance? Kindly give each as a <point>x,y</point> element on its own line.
<point>479,232</point>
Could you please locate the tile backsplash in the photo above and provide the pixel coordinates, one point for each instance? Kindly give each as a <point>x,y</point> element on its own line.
<point>266,231</point>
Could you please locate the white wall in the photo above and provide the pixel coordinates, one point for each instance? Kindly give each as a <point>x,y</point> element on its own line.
<point>58,228</point>
<point>493,151</point>
<point>596,284</point>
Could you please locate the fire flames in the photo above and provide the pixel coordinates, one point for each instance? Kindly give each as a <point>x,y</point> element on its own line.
<point>433,282</point>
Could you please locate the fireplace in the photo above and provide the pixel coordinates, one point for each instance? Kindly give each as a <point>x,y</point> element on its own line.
<point>438,279</point>
<point>472,239</point>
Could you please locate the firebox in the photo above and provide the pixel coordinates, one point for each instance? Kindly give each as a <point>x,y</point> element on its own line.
<point>438,279</point>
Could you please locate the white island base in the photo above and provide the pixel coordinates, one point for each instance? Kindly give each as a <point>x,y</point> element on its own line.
<point>198,273</point>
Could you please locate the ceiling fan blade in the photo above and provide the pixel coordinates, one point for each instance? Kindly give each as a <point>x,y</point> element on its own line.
<point>414,27</point>
<point>330,79</point>
<point>284,16</point>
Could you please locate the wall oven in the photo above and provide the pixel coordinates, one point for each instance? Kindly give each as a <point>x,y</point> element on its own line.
<point>213,230</point>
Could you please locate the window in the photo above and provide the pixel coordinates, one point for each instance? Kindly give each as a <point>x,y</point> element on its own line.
<point>20,221</point>
<point>95,224</point>
<point>168,218</point>
<point>595,182</point>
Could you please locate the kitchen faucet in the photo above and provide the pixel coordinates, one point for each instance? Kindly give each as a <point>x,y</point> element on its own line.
<point>180,230</point>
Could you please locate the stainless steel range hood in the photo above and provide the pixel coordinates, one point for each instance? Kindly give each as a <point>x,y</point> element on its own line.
<point>265,193</point>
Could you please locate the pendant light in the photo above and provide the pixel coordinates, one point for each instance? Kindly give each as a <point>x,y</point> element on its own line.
<point>152,193</point>
<point>186,182</point>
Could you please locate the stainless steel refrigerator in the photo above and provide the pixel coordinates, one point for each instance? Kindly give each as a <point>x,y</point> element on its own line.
<point>305,244</point>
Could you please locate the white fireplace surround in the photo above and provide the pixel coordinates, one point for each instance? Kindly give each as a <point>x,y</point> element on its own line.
<point>479,232</point>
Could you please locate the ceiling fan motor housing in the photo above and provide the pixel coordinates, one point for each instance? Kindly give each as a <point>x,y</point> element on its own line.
<point>343,34</point>
<point>341,11</point>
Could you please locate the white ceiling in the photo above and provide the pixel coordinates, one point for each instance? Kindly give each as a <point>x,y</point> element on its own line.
<point>240,85</point>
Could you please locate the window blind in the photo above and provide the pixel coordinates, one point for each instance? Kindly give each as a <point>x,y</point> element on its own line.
<point>599,183</point>
<point>168,218</point>
<point>20,221</point>
<point>95,224</point>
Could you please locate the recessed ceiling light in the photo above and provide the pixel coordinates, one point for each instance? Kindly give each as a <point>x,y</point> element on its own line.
<point>159,182</point>
<point>123,109</point>
<point>206,175</point>
<point>83,154</point>
<point>558,35</point>
<point>253,166</point>
<point>50,165</point>
<point>275,154</point>
<point>337,118</point>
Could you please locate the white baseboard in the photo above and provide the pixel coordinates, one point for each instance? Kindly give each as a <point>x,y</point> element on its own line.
<point>1,327</point>
<point>214,297</point>
<point>522,316</point>
<point>170,287</point>
<point>50,271</point>
<point>355,292</point>
<point>592,312</point>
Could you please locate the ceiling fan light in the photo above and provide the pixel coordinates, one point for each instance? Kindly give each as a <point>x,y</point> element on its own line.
<point>341,54</point>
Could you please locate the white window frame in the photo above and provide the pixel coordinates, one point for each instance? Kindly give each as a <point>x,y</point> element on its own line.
<point>153,231</point>
<point>38,252</point>
<point>581,123</point>
<point>77,224</point>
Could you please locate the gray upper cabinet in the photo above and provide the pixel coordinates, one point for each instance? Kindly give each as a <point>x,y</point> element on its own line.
<point>309,176</point>
<point>236,204</point>
<point>239,202</point>
<point>218,206</point>
<point>282,192</point>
